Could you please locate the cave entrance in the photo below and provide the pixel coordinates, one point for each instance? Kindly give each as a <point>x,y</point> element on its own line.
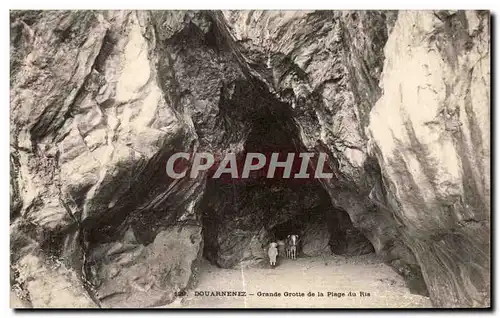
<point>241,217</point>
<point>240,220</point>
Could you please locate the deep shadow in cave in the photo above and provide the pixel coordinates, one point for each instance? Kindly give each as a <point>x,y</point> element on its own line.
<point>282,230</point>
<point>241,217</point>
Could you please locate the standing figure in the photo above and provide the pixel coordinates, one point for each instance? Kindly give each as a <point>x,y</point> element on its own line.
<point>292,243</point>
<point>272,253</point>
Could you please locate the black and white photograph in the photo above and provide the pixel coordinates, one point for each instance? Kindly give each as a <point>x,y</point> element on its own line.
<point>243,159</point>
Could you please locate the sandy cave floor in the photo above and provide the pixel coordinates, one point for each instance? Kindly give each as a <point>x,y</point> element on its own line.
<point>329,273</point>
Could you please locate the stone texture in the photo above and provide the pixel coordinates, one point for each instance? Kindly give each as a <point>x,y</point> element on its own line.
<point>101,99</point>
<point>316,239</point>
<point>91,128</point>
<point>51,285</point>
<point>123,280</point>
<point>431,134</point>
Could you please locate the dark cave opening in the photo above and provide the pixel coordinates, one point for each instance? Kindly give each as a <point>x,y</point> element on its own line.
<point>282,230</point>
<point>241,217</point>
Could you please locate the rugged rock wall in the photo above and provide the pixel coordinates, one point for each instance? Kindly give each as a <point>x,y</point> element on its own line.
<point>100,100</point>
<point>92,126</point>
<point>431,135</point>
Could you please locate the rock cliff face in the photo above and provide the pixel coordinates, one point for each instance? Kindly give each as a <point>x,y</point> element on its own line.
<point>431,136</point>
<point>100,100</point>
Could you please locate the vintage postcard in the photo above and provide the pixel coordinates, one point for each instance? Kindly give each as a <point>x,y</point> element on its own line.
<point>250,159</point>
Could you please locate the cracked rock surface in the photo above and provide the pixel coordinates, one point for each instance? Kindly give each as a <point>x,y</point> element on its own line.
<point>101,99</point>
